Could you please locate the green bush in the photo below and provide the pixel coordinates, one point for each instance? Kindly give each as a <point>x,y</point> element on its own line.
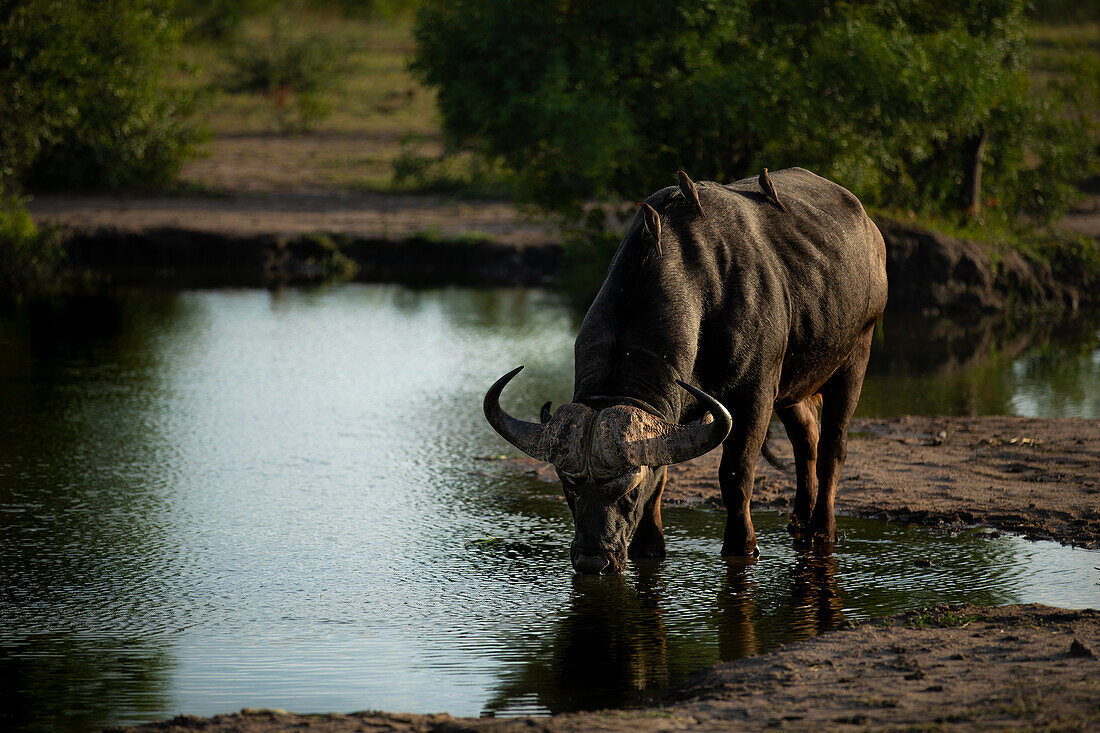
<point>457,173</point>
<point>220,19</point>
<point>292,69</point>
<point>27,256</point>
<point>1065,11</point>
<point>216,19</point>
<point>84,100</point>
<point>607,100</point>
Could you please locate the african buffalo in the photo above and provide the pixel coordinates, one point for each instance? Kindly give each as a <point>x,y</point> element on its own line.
<point>764,305</point>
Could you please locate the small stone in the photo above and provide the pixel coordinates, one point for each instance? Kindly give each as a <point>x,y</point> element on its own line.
<point>1077,649</point>
<point>922,562</point>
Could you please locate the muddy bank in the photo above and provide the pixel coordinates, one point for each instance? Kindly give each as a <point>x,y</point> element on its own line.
<point>250,239</point>
<point>938,273</point>
<point>945,668</point>
<point>187,258</point>
<point>1036,477</point>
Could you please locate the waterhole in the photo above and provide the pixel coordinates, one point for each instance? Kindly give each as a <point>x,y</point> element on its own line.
<point>222,499</point>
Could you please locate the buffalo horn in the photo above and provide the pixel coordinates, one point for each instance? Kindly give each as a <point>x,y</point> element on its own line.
<point>527,436</point>
<point>672,443</point>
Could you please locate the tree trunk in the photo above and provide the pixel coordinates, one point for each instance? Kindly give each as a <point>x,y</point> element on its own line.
<point>976,147</point>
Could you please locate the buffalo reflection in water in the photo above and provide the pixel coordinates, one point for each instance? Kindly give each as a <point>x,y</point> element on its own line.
<point>614,647</point>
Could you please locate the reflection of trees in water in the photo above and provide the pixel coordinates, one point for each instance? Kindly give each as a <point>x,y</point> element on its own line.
<point>881,578</point>
<point>1060,378</point>
<point>965,367</point>
<point>86,552</point>
<point>71,682</point>
<point>517,309</point>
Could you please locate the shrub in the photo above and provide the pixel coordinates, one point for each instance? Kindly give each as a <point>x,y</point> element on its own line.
<point>595,100</point>
<point>27,256</point>
<point>290,68</point>
<point>457,173</point>
<point>216,19</point>
<point>83,95</point>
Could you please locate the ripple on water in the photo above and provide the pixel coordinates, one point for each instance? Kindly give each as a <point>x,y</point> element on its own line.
<point>216,500</point>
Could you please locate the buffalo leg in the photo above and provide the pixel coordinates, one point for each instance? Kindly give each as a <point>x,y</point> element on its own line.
<point>736,473</point>
<point>800,420</point>
<point>840,394</point>
<point>649,538</point>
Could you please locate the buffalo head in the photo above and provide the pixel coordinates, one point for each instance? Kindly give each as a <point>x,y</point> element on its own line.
<point>610,462</point>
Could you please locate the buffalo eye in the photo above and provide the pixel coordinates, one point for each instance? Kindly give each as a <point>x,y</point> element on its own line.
<point>568,483</point>
<point>622,486</point>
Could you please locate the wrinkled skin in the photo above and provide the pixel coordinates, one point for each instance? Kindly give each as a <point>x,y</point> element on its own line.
<point>761,309</point>
<point>601,458</point>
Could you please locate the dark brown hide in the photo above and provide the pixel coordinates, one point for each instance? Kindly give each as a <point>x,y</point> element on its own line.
<point>760,307</point>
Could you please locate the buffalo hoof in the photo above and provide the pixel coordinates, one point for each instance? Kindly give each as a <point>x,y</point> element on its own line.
<point>800,528</point>
<point>740,549</point>
<point>824,535</point>
<point>739,539</point>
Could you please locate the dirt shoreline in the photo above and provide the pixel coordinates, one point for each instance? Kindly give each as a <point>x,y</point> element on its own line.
<point>944,668</point>
<point>1023,667</point>
<point>1037,477</point>
<point>250,238</point>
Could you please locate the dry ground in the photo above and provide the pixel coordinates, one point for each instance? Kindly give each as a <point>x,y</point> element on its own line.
<point>264,184</point>
<point>1036,477</point>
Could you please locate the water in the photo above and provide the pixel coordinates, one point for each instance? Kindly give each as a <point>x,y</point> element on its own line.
<point>216,500</point>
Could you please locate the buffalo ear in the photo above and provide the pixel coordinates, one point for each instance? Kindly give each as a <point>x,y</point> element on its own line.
<point>545,414</point>
<point>652,221</point>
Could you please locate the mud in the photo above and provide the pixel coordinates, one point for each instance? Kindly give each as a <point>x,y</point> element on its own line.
<point>426,238</point>
<point>1036,477</point>
<point>945,668</point>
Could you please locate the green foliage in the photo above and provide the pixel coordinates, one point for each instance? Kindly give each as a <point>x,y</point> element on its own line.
<point>938,617</point>
<point>83,97</point>
<point>220,19</point>
<point>889,97</point>
<point>217,19</point>
<point>292,69</point>
<point>27,256</point>
<point>460,173</point>
<point>589,245</point>
<point>1064,11</point>
<point>372,8</point>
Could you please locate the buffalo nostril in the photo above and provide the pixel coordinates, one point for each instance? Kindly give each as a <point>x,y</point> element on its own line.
<point>590,564</point>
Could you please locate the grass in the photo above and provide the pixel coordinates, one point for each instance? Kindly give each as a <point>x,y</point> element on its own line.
<point>377,130</point>
<point>371,113</point>
<point>1055,47</point>
<point>932,618</point>
<point>376,96</point>
<point>1065,252</point>
<point>374,128</point>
